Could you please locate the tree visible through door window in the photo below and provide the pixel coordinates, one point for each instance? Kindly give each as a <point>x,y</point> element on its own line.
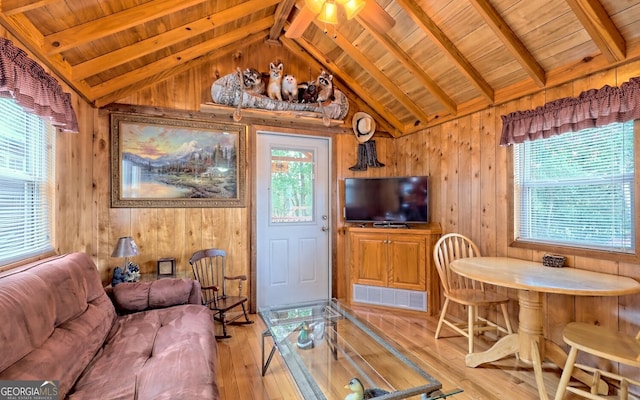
<point>291,185</point>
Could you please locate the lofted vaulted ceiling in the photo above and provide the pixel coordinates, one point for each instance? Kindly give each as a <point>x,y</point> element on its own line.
<point>417,63</point>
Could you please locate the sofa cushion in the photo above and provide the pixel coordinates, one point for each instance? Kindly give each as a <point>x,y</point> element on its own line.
<point>165,353</point>
<point>28,313</point>
<point>169,292</point>
<point>58,315</point>
<point>132,297</point>
<point>138,296</point>
<point>69,349</point>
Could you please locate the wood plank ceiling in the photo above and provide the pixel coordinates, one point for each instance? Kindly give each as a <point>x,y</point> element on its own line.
<point>440,59</point>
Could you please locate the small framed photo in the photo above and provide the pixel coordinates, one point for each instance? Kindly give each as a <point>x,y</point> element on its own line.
<point>166,267</point>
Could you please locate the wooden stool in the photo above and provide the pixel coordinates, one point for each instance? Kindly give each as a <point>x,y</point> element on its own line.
<point>601,342</point>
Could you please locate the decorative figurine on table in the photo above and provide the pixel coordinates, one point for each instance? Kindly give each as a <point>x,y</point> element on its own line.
<point>129,274</point>
<point>358,392</point>
<point>305,340</point>
<point>118,276</point>
<point>310,335</point>
<point>132,274</point>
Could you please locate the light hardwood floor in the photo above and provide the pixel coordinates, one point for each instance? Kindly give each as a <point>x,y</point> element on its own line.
<point>240,362</point>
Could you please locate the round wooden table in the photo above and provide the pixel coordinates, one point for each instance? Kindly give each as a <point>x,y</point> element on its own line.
<point>532,280</point>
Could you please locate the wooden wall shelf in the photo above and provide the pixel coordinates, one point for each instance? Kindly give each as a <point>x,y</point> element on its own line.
<point>302,117</point>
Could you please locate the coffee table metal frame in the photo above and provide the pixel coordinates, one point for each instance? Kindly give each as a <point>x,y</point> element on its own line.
<point>330,312</point>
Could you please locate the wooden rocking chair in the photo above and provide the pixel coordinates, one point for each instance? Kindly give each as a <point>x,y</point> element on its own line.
<point>209,270</point>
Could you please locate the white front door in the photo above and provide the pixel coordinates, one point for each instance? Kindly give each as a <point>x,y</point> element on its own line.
<point>292,219</point>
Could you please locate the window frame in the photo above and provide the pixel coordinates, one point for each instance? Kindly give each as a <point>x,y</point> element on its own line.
<point>570,250</point>
<point>26,257</point>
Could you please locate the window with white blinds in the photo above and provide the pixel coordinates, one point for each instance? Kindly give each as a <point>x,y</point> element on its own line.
<point>577,189</point>
<point>26,183</point>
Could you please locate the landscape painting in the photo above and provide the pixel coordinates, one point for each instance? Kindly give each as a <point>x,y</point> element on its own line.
<point>165,162</point>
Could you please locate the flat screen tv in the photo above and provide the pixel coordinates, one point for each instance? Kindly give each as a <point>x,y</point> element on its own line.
<point>392,200</point>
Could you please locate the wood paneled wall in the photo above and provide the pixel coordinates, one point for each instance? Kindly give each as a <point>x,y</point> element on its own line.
<point>469,186</point>
<point>179,232</point>
<point>469,189</point>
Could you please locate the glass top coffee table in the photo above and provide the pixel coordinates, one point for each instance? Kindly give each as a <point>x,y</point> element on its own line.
<point>324,347</point>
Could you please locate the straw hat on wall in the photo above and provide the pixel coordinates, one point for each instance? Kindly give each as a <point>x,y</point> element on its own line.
<point>364,126</point>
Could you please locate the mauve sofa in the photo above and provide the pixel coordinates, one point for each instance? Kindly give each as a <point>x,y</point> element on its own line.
<point>59,324</point>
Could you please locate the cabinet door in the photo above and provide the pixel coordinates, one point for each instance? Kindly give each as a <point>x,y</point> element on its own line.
<point>368,259</point>
<point>407,262</point>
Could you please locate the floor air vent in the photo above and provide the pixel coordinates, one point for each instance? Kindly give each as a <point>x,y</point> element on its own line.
<point>398,298</point>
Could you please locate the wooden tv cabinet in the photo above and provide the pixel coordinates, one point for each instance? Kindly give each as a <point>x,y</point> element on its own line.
<point>397,260</point>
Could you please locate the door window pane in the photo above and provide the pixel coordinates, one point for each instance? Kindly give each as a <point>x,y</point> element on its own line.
<point>291,185</point>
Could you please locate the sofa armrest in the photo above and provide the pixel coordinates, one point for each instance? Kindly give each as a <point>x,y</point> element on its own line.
<point>140,296</point>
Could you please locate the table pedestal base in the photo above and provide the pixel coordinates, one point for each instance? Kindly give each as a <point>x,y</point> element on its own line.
<point>529,344</point>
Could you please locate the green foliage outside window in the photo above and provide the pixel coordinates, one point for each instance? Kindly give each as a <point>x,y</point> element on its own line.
<point>291,186</point>
<point>576,189</point>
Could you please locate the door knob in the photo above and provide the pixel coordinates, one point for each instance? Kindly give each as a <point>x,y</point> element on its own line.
<point>325,228</point>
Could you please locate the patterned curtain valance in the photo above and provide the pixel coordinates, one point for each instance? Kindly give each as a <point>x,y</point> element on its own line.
<point>592,108</point>
<point>25,81</point>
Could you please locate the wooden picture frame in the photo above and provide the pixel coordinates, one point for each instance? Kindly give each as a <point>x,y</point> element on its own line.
<point>159,162</point>
<point>166,267</point>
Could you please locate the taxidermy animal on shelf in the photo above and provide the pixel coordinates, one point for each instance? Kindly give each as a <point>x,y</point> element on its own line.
<point>325,87</point>
<point>358,392</point>
<point>307,92</point>
<point>274,89</point>
<point>289,88</point>
<point>252,81</point>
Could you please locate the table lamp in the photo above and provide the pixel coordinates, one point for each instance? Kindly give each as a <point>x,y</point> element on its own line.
<point>126,248</point>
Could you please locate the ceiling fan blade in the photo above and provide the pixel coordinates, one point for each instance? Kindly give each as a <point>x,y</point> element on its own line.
<point>300,23</point>
<point>377,17</point>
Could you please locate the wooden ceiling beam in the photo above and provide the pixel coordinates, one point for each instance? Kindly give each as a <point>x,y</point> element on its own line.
<point>181,57</point>
<point>601,28</point>
<point>448,48</point>
<point>129,53</point>
<point>411,66</point>
<point>18,6</point>
<point>300,23</point>
<point>511,41</point>
<point>556,77</point>
<point>301,53</point>
<point>183,68</point>
<point>351,83</point>
<point>113,23</point>
<point>31,38</point>
<point>282,13</point>
<point>381,78</point>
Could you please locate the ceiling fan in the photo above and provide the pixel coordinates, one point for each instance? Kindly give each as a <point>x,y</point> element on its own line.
<point>370,12</point>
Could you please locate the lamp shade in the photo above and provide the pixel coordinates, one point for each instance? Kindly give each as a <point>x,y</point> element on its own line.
<point>125,247</point>
<point>329,13</point>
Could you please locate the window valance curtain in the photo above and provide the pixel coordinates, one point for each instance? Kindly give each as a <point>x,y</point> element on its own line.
<point>592,108</point>
<point>24,80</point>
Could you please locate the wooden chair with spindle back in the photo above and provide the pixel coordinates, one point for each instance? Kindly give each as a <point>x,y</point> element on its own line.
<point>606,344</point>
<point>466,292</point>
<point>209,270</point>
